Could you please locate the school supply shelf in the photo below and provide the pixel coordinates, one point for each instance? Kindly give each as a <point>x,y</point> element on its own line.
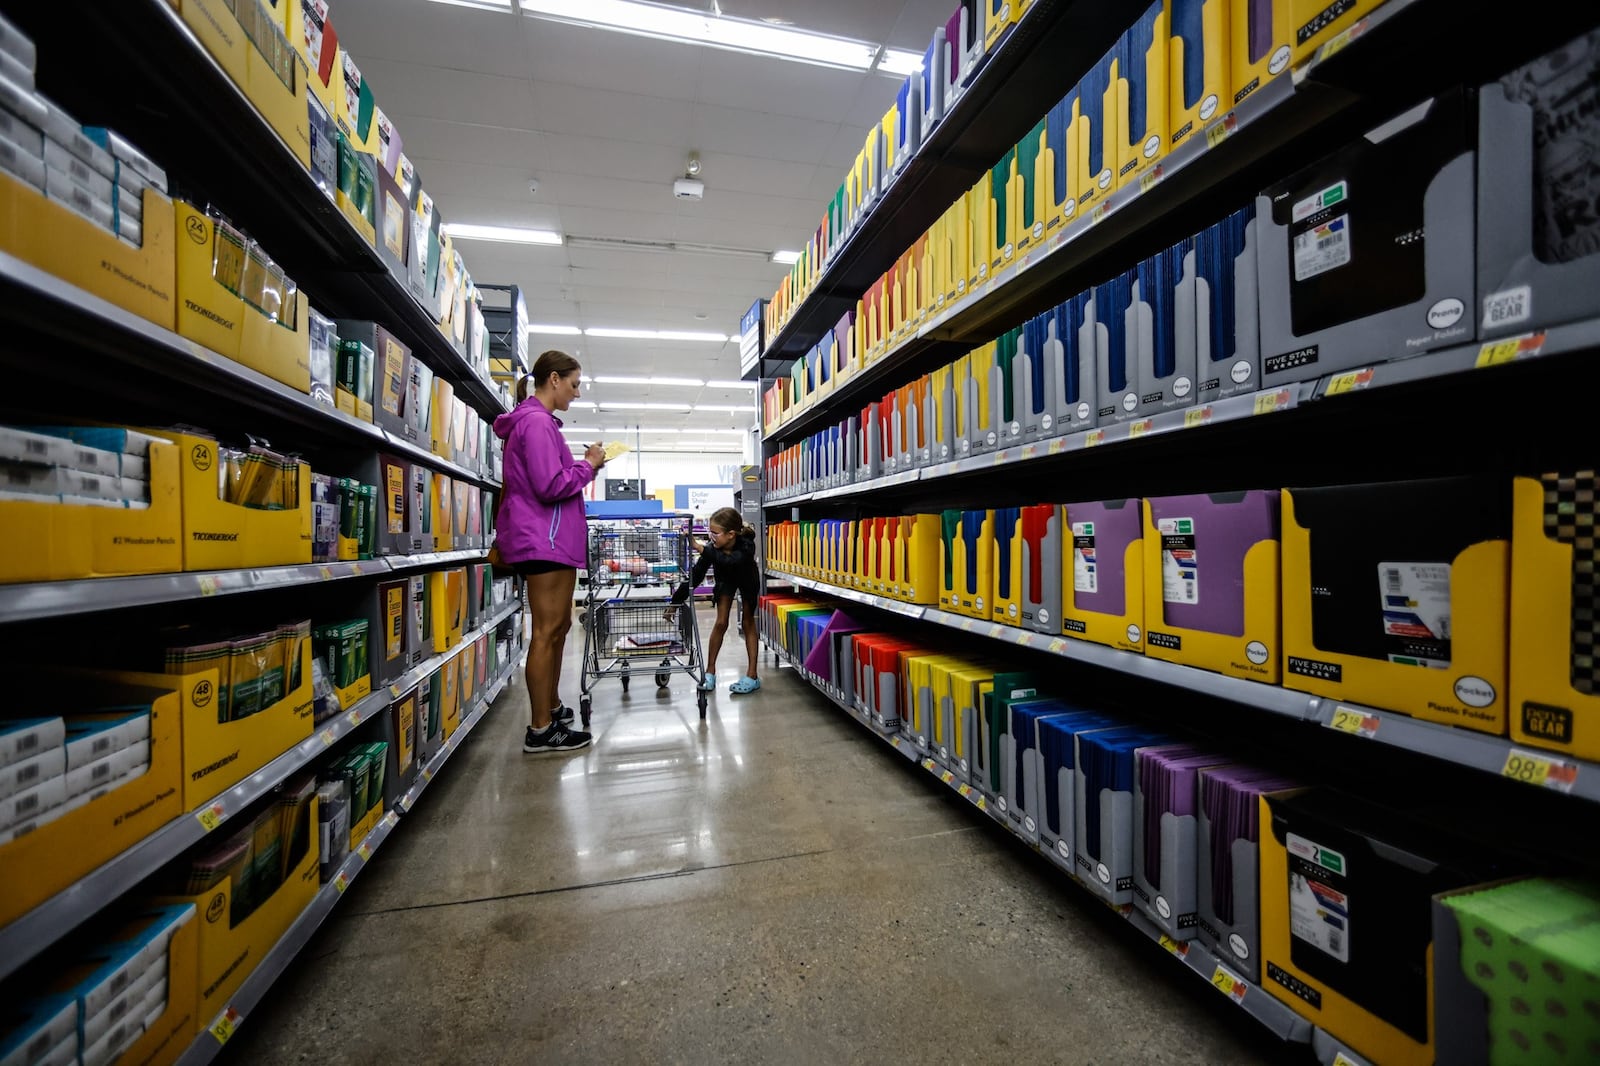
<point>36,930</point>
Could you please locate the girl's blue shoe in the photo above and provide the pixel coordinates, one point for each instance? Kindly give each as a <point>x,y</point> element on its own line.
<point>745,685</point>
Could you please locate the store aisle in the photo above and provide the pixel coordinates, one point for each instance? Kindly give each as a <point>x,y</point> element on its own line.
<point>770,887</point>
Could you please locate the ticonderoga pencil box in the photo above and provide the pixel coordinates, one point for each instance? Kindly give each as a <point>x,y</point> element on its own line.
<point>1103,780</point>
<point>1211,582</point>
<point>1515,971</point>
<point>1006,540</point>
<point>1227,863</point>
<point>1041,557</point>
<point>1102,582</point>
<point>1538,233</point>
<point>1346,927</point>
<point>1055,805</point>
<point>1166,374</point>
<point>1394,595</point>
<point>1201,82</point>
<point>1367,255</point>
<point>1121,337</point>
<point>1164,823</point>
<point>1140,84</point>
<point>1555,556</point>
<point>1227,330</point>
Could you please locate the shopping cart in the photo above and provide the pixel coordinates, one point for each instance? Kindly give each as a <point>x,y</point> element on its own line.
<point>629,623</point>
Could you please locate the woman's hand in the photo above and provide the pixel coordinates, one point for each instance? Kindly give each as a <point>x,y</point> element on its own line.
<point>595,455</point>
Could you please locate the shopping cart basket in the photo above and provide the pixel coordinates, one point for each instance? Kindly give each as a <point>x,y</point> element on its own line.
<point>629,623</point>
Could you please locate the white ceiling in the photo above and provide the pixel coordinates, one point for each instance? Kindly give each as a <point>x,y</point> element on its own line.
<point>605,121</point>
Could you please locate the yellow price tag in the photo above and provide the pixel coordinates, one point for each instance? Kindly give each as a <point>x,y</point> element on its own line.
<point>1337,45</point>
<point>1350,381</point>
<point>211,817</point>
<point>1221,129</point>
<point>947,777</point>
<point>1198,416</point>
<point>1148,179</point>
<point>1058,645</point>
<point>354,718</point>
<point>427,774</point>
<point>928,765</point>
<point>983,804</point>
<point>894,742</point>
<point>1511,349</point>
<point>341,882</point>
<point>1228,984</point>
<point>365,851</point>
<point>355,569</point>
<point>1179,948</point>
<point>964,790</point>
<point>1058,446</point>
<point>327,738</point>
<point>1268,402</point>
<point>1539,770</point>
<point>1100,212</point>
<point>1341,1059</point>
<point>1349,720</point>
<point>225,1025</point>
<point>1029,451</point>
<point>1140,428</point>
<point>327,575</point>
<point>1094,437</point>
<point>208,585</point>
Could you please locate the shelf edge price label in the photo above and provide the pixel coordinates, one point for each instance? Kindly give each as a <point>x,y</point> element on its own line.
<point>1179,948</point>
<point>1150,179</point>
<point>326,736</point>
<point>946,776</point>
<point>1197,416</point>
<point>1268,402</point>
<point>928,765</point>
<point>212,816</point>
<point>341,882</point>
<point>1030,451</point>
<point>208,585</point>
<point>365,851</point>
<point>1221,129</point>
<point>1341,1059</point>
<point>1058,446</point>
<point>983,803</point>
<point>354,717</point>
<point>1542,770</point>
<point>1356,723</point>
<point>1094,438</point>
<point>327,574</point>
<point>1350,381</point>
<point>1510,350</point>
<point>1140,428</point>
<point>1229,984</point>
<point>1058,645</point>
<point>223,1028</point>
<point>964,790</point>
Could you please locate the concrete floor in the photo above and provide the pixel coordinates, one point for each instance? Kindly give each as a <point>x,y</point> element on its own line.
<point>770,886</point>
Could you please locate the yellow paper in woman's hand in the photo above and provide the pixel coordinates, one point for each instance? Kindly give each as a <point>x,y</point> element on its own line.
<point>614,449</point>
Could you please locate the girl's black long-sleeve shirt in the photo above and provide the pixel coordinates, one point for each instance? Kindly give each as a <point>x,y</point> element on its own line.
<point>737,569</point>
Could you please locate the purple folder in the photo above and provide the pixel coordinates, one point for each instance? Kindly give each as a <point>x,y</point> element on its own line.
<point>1167,777</point>
<point>1229,798</point>
<point>819,659</point>
<point>1098,560</point>
<point>1202,562</point>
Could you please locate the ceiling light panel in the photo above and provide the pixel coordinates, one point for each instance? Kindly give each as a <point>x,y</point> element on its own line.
<point>501,234</point>
<point>555,331</point>
<point>693,383</point>
<point>689,27</point>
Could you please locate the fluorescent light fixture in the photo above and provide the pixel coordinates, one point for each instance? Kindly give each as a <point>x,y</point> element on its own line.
<point>555,331</point>
<point>581,403</point>
<point>730,407</point>
<point>486,5</point>
<point>657,335</point>
<point>689,27</point>
<point>693,383</point>
<point>786,258</point>
<point>720,383</point>
<point>899,62</point>
<point>611,406</point>
<point>503,234</point>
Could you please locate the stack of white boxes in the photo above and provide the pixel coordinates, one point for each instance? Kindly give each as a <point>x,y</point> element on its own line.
<point>104,467</point>
<point>91,170</point>
<point>50,767</point>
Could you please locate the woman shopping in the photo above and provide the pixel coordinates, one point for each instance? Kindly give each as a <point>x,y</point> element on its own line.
<point>731,553</point>
<point>540,534</point>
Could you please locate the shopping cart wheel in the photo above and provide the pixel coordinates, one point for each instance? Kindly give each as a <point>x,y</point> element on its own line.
<point>662,678</point>
<point>584,707</point>
<point>702,706</point>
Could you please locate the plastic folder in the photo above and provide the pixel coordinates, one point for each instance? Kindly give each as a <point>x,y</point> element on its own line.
<point>1199,68</point>
<point>1030,204</point>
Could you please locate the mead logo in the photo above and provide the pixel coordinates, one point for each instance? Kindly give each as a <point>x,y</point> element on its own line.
<point>203,535</point>
<point>1546,722</point>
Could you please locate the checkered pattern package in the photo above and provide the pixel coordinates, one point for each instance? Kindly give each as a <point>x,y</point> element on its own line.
<point>1570,505</point>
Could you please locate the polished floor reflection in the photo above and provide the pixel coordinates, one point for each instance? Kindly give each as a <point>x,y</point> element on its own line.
<point>770,885</point>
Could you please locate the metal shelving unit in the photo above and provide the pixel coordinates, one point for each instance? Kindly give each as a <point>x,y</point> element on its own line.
<point>35,931</point>
<point>146,74</point>
<point>1478,751</point>
<point>1254,1001</point>
<point>1040,60</point>
<point>35,303</point>
<point>208,1044</point>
